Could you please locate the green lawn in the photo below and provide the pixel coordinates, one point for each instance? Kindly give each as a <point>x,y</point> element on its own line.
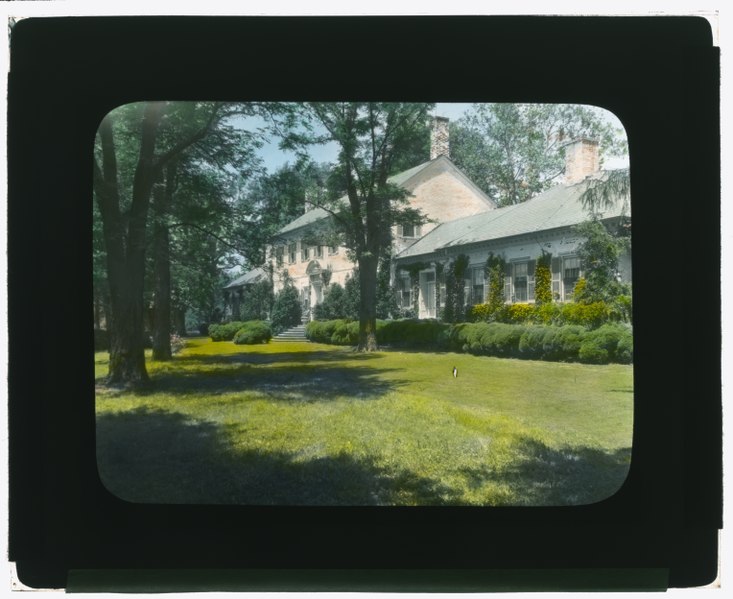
<point>299,423</point>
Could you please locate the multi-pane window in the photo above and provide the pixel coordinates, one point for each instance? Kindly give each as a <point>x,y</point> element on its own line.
<point>570,275</point>
<point>475,289</point>
<point>292,249</point>
<point>520,282</point>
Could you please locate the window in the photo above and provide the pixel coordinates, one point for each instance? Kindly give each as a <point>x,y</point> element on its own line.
<point>333,250</point>
<point>410,231</point>
<point>279,251</point>
<point>405,292</point>
<point>292,248</point>
<point>570,275</point>
<point>304,253</point>
<point>520,282</point>
<point>478,294</point>
<point>319,251</point>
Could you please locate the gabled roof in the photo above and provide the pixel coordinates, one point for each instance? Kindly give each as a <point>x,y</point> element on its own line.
<point>404,179</point>
<point>253,276</point>
<point>555,208</point>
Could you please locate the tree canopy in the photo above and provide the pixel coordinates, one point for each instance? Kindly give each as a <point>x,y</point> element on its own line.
<point>514,151</point>
<point>372,136</point>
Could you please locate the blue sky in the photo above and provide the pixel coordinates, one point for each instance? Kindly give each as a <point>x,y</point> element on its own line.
<point>273,157</point>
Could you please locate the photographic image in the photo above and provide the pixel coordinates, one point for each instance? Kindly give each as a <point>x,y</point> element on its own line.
<point>362,303</point>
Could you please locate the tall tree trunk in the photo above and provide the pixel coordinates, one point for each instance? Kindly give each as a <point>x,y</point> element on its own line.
<point>368,303</point>
<point>126,252</point>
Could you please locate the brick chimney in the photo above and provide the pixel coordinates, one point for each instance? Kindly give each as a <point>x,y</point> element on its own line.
<point>439,137</point>
<point>581,159</point>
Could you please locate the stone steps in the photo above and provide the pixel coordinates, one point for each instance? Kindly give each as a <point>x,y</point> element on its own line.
<point>294,334</point>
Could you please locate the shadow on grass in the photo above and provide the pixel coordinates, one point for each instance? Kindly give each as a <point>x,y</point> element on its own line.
<point>289,376</point>
<point>256,358</point>
<point>286,383</point>
<point>545,476</point>
<point>153,456</point>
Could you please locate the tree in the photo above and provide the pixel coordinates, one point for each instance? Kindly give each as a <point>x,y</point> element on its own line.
<point>371,136</point>
<point>514,151</point>
<point>599,254</point>
<point>286,309</point>
<point>258,300</point>
<point>494,270</point>
<point>543,279</point>
<point>136,144</point>
<point>455,289</point>
<point>333,305</point>
<point>272,200</point>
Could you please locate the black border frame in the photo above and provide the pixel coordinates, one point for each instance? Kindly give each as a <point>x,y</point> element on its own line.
<point>659,75</point>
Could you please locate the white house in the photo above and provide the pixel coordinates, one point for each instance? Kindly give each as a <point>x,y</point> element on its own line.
<point>462,220</point>
<point>520,234</point>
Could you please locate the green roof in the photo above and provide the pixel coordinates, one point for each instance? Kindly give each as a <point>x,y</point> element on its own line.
<point>318,214</point>
<point>556,208</point>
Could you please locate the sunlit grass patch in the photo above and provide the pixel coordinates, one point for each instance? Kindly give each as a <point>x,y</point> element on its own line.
<point>302,423</point>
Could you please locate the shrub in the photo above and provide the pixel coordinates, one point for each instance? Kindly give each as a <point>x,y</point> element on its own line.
<point>333,305</point>
<point>519,313</point>
<point>600,346</point>
<point>480,313</point>
<point>589,315</point>
<point>253,332</point>
<point>177,343</point>
<point>413,333</point>
<point>342,334</point>
<point>547,313</point>
<point>532,343</point>
<point>625,349</point>
<point>226,331</point>
<point>320,331</point>
<point>286,310</point>
<point>564,342</point>
<point>337,332</point>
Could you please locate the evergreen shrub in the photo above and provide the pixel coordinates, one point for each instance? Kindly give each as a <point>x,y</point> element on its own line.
<point>600,346</point>
<point>226,331</point>
<point>253,332</point>
<point>411,332</point>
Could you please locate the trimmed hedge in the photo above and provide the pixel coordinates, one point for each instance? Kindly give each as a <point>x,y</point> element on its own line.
<point>408,332</point>
<point>414,333</point>
<point>566,343</point>
<point>253,332</point>
<point>590,316</point>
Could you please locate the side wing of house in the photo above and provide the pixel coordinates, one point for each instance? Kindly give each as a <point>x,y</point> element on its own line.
<point>519,234</point>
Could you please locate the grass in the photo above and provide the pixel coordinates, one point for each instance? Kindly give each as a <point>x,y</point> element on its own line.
<point>310,424</point>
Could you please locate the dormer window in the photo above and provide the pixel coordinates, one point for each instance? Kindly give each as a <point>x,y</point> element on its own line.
<point>411,231</point>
